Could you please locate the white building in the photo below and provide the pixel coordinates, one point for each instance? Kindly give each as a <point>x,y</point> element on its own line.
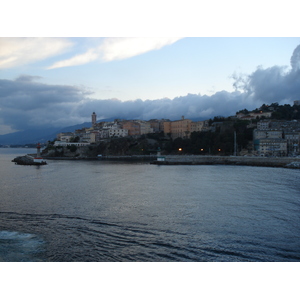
<point>264,134</point>
<point>263,125</point>
<point>65,136</point>
<point>64,144</point>
<point>117,132</point>
<point>272,147</point>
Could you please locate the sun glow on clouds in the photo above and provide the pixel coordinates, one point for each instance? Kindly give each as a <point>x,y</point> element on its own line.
<point>20,51</point>
<point>116,49</point>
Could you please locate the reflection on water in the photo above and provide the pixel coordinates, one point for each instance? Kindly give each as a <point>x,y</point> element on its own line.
<point>105,211</point>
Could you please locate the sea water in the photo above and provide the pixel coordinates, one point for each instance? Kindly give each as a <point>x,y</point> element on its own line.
<point>114,211</point>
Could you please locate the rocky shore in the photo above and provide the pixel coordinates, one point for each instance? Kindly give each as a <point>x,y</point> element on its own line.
<point>27,160</point>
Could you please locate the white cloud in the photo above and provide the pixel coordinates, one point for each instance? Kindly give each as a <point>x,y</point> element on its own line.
<point>20,51</point>
<point>80,59</point>
<point>122,48</point>
<point>116,49</point>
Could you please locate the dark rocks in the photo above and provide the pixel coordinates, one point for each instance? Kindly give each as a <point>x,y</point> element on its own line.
<point>27,160</point>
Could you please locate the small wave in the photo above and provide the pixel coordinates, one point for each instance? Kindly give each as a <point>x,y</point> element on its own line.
<point>13,235</point>
<point>18,246</point>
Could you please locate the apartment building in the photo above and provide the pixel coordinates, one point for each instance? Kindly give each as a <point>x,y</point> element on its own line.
<point>133,127</point>
<point>117,132</point>
<point>180,128</point>
<point>197,126</point>
<point>158,125</point>
<point>272,147</point>
<point>263,134</point>
<point>293,141</point>
<point>65,136</point>
<point>263,124</point>
<point>145,127</point>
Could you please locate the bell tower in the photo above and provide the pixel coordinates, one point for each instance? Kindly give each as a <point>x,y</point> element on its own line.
<point>94,119</point>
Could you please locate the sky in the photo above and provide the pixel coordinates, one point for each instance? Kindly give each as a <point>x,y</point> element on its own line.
<point>61,61</point>
<point>48,81</point>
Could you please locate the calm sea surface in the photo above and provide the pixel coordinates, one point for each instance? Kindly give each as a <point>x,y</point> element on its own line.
<point>114,211</point>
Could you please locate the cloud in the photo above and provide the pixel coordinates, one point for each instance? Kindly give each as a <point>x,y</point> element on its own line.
<point>122,48</point>
<point>25,103</point>
<point>28,103</point>
<point>295,59</point>
<point>274,84</point>
<point>116,49</point>
<point>15,52</point>
<point>80,59</point>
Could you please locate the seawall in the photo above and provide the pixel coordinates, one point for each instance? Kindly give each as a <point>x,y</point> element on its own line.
<point>109,157</point>
<point>290,162</point>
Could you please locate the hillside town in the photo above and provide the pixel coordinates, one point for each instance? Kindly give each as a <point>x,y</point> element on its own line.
<point>271,130</point>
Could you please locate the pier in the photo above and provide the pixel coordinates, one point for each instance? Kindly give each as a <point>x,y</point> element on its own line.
<point>289,162</point>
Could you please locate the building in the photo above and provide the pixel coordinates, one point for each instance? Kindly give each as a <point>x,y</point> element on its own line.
<point>64,144</point>
<point>263,125</point>
<point>297,102</point>
<point>103,133</point>
<point>197,126</point>
<point>145,127</point>
<point>117,132</point>
<point>65,136</point>
<point>272,147</point>
<point>94,119</point>
<point>293,142</point>
<point>85,137</point>
<point>158,125</point>
<point>180,128</point>
<point>133,127</point>
<point>264,134</point>
<point>94,136</point>
<point>166,127</point>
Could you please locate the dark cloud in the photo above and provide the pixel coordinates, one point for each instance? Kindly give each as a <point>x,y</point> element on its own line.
<point>26,103</point>
<point>275,84</point>
<point>295,59</point>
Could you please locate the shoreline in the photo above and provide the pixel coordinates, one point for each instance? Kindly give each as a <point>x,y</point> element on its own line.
<point>283,162</point>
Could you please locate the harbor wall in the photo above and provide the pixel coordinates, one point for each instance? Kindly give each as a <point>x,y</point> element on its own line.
<point>229,160</point>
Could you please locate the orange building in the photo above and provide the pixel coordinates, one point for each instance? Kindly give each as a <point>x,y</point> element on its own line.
<point>180,128</point>
<point>134,128</point>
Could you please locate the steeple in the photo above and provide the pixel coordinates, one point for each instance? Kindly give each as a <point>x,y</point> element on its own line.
<point>94,119</point>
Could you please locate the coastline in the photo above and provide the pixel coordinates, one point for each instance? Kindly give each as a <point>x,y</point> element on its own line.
<point>282,162</point>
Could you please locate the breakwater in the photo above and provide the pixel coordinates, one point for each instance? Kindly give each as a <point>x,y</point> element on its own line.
<point>130,157</point>
<point>109,157</point>
<point>284,162</point>
<point>288,162</point>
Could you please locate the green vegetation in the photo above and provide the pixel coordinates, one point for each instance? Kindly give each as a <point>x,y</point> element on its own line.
<point>72,148</point>
<point>221,141</point>
<point>279,112</point>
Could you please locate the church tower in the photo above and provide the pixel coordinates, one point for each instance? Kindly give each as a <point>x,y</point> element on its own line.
<point>94,119</point>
